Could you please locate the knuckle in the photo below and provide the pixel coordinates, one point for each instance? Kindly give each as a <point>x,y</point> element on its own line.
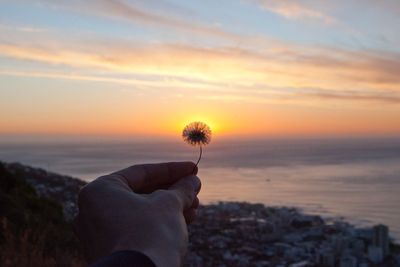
<point>159,193</point>
<point>168,197</point>
<point>187,196</point>
<point>173,198</point>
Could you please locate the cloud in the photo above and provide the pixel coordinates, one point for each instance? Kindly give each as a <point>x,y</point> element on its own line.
<point>23,29</point>
<point>303,98</point>
<point>122,10</point>
<point>391,6</point>
<point>294,10</point>
<point>274,72</point>
<point>137,83</point>
<point>217,92</point>
<point>390,99</point>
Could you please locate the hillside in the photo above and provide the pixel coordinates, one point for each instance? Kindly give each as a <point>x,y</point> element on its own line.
<point>34,228</point>
<point>36,208</point>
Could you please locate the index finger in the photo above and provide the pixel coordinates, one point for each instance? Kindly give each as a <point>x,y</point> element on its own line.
<point>146,178</point>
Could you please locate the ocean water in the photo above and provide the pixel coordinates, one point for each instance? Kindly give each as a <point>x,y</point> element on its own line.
<point>357,179</point>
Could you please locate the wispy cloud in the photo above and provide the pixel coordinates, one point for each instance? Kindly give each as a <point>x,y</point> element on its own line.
<point>23,29</point>
<point>391,6</point>
<point>362,75</point>
<point>122,10</point>
<point>304,98</point>
<point>137,83</point>
<point>383,98</point>
<point>294,10</point>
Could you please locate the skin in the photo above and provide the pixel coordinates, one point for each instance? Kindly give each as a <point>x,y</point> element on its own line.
<point>144,208</point>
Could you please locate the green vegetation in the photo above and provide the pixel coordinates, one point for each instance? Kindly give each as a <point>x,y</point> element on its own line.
<point>33,231</point>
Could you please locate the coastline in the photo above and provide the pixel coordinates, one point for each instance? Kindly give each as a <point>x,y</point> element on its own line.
<point>239,233</point>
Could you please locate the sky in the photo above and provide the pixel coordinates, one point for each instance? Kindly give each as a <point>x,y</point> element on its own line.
<point>245,67</point>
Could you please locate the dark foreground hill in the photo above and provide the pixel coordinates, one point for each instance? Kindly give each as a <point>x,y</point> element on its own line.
<point>34,230</point>
<point>36,208</point>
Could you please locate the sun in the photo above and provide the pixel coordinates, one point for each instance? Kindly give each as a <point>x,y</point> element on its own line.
<point>207,120</point>
<point>217,121</point>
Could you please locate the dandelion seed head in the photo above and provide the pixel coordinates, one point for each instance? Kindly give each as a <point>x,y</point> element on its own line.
<point>197,133</point>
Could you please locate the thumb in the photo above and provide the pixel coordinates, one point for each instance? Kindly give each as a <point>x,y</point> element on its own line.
<point>186,190</point>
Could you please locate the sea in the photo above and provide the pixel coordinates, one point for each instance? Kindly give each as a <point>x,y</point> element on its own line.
<point>354,179</point>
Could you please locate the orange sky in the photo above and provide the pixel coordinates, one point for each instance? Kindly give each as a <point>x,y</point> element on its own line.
<point>280,68</point>
<point>100,114</point>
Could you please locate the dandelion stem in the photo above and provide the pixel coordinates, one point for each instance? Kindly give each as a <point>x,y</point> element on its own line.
<point>197,163</point>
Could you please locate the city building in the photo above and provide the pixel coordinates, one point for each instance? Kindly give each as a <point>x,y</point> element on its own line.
<point>375,254</point>
<point>348,261</point>
<point>326,258</point>
<point>380,238</point>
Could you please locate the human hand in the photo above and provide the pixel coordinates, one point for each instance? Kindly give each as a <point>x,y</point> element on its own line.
<point>141,208</point>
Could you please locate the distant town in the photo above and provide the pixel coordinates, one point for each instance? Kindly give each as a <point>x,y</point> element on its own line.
<point>243,234</point>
